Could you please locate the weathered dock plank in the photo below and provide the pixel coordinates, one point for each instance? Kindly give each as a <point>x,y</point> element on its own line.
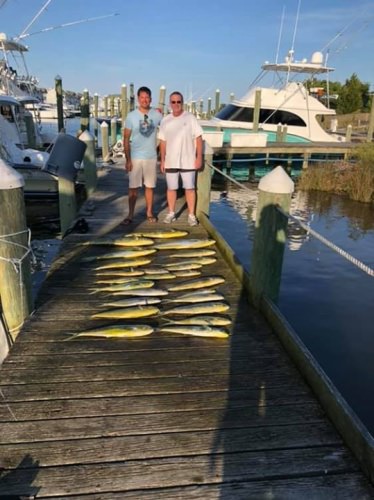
<point>164,416</point>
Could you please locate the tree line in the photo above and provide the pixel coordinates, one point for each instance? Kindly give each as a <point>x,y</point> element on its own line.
<point>353,96</point>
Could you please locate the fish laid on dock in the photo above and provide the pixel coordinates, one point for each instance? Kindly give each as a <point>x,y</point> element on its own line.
<point>201,320</point>
<point>202,261</point>
<point>187,274</point>
<point>121,242</point>
<point>125,273</point>
<point>198,331</point>
<point>132,285</point>
<point>190,254</point>
<point>200,296</point>
<point>184,266</point>
<point>203,308</point>
<point>128,313</point>
<point>115,332</point>
<point>118,264</point>
<point>134,301</point>
<point>161,233</point>
<point>205,281</point>
<point>134,253</point>
<point>143,292</point>
<point>185,244</point>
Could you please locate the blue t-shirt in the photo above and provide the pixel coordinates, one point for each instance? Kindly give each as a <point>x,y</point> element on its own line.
<point>143,133</point>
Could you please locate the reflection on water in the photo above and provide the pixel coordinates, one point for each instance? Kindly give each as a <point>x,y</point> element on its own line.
<point>326,299</point>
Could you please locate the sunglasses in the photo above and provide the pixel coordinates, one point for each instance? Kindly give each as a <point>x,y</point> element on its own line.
<point>176,102</point>
<point>146,118</point>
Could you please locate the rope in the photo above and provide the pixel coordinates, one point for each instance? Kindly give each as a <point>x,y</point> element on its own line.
<point>17,262</point>
<point>329,244</point>
<point>228,177</point>
<point>308,229</point>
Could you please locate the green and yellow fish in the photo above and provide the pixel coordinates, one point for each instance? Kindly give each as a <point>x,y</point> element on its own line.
<point>128,313</point>
<point>115,332</point>
<point>198,331</point>
<point>184,244</point>
<point>202,282</point>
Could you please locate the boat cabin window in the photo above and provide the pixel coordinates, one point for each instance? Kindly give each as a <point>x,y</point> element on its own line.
<point>240,114</point>
<point>6,112</point>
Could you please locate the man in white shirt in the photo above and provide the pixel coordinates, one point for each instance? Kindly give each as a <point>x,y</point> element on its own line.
<point>181,150</point>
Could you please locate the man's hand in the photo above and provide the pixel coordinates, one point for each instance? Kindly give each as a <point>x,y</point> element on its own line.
<point>128,165</point>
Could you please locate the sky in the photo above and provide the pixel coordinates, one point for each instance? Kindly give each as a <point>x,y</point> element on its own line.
<point>194,46</point>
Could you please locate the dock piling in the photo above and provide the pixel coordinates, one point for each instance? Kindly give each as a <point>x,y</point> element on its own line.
<point>204,181</point>
<point>15,270</point>
<point>89,161</point>
<point>275,189</point>
<point>104,141</point>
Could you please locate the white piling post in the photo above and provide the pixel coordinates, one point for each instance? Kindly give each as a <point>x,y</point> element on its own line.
<point>104,141</point>
<point>15,282</point>
<point>89,162</point>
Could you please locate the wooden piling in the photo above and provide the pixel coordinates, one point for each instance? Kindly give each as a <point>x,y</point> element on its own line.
<point>89,162</point>
<point>132,97</point>
<point>371,121</point>
<point>85,111</point>
<point>15,272</point>
<point>105,105</point>
<point>30,130</point>
<point>161,99</point>
<point>204,181</point>
<point>60,105</point>
<point>256,112</point>
<point>348,134</point>
<point>113,130</point>
<point>279,132</point>
<point>111,106</point>
<point>124,106</point>
<point>104,141</point>
<point>209,108</point>
<point>218,92</point>
<point>96,114</point>
<point>275,189</point>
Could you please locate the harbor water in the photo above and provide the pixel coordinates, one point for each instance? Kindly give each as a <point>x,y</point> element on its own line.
<point>326,299</point>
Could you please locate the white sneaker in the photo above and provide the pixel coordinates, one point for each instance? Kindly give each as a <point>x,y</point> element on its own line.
<point>192,221</point>
<point>170,217</point>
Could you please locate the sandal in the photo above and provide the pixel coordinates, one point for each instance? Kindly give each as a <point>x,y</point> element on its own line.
<point>126,222</point>
<point>151,218</point>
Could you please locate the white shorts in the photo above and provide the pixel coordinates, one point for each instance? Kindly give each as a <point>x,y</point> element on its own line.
<point>143,172</point>
<point>188,179</point>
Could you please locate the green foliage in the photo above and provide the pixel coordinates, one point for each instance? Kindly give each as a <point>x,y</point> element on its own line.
<point>355,180</point>
<point>353,94</point>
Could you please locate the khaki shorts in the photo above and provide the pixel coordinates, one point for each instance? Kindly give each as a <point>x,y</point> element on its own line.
<point>188,179</point>
<point>143,172</point>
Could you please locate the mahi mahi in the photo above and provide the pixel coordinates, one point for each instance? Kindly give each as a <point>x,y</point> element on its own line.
<point>199,331</point>
<point>120,242</point>
<point>129,286</point>
<point>142,292</point>
<point>190,254</point>
<point>201,320</point>
<point>164,234</point>
<point>202,261</point>
<point>196,297</point>
<point>203,308</point>
<point>185,244</point>
<point>116,332</point>
<point>132,253</point>
<point>128,313</point>
<point>134,301</point>
<point>205,281</point>
<point>118,264</point>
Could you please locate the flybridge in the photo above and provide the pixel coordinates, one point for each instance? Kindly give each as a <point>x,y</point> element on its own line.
<point>315,65</point>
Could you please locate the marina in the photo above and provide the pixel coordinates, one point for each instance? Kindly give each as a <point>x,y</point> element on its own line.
<point>162,416</point>
<point>228,357</point>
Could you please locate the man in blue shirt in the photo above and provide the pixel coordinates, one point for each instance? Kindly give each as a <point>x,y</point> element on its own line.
<point>139,140</point>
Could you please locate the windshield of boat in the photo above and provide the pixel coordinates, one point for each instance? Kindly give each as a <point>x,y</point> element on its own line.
<point>236,113</point>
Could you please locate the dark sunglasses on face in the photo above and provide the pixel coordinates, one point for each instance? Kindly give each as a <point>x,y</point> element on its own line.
<point>176,102</point>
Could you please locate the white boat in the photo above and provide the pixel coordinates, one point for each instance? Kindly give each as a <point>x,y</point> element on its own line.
<point>288,104</point>
<point>40,169</point>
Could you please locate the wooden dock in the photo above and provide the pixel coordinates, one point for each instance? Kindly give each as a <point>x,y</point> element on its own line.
<point>164,416</point>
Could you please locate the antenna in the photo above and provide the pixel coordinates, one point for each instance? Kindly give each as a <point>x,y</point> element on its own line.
<point>34,19</point>
<point>294,33</point>
<point>25,35</point>
<point>280,34</point>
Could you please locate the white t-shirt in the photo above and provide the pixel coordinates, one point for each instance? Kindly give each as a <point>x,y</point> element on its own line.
<point>180,133</point>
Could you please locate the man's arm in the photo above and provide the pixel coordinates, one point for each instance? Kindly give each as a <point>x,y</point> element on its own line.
<point>127,149</point>
<point>162,155</point>
<point>199,152</point>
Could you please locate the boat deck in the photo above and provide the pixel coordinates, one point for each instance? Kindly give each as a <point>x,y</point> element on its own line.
<point>164,416</point>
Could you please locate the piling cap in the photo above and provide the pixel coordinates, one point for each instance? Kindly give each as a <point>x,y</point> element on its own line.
<point>86,136</point>
<point>9,177</point>
<point>277,181</point>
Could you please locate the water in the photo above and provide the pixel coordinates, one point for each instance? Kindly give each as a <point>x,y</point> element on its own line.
<point>326,299</point>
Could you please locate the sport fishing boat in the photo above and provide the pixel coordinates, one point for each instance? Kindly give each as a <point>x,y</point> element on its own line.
<point>289,104</point>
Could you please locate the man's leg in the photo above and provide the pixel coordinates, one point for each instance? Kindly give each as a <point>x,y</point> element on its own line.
<point>191,200</point>
<point>171,196</point>
<point>148,192</point>
<point>133,194</point>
